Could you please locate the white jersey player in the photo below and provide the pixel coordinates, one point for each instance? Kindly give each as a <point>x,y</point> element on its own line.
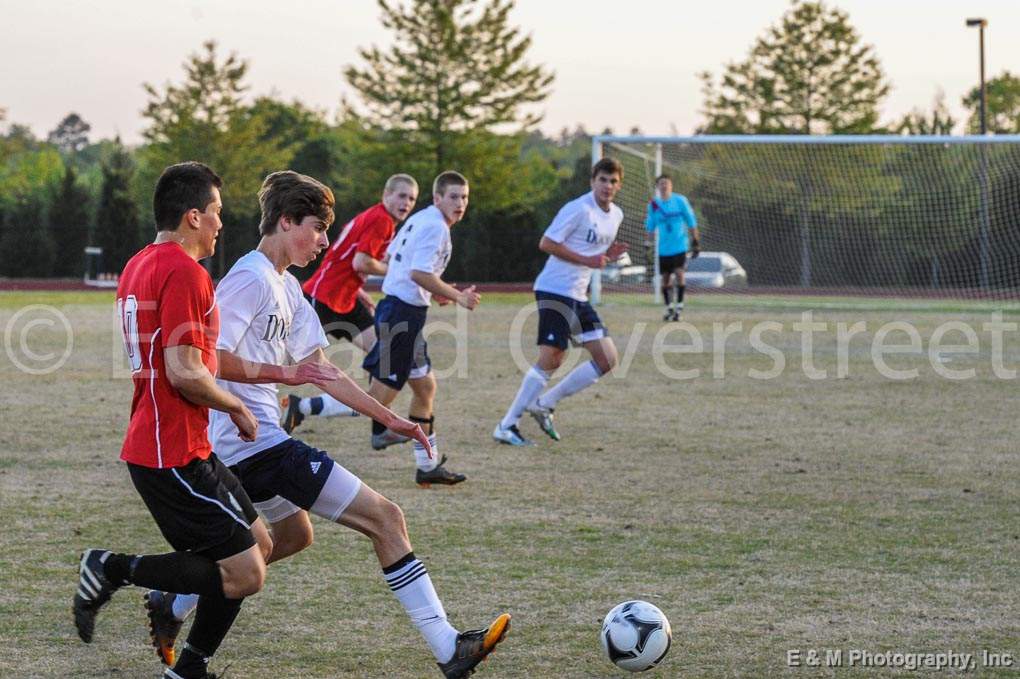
<point>269,332</point>
<point>581,238</point>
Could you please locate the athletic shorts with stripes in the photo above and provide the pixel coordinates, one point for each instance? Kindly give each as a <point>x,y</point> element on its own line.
<point>200,507</point>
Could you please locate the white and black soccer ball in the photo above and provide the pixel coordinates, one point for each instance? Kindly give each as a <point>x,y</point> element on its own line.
<point>636,636</point>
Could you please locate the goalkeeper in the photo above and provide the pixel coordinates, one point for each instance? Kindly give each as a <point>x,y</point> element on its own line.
<point>671,214</point>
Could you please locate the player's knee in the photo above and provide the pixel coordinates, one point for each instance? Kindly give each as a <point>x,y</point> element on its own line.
<point>244,582</point>
<point>388,518</point>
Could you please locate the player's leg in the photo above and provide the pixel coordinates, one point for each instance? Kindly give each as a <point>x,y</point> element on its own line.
<point>555,314</point>
<point>681,287</point>
<point>666,271</point>
<point>389,361</point>
<point>382,521</point>
<point>429,469</point>
<point>204,513</point>
<point>603,353</point>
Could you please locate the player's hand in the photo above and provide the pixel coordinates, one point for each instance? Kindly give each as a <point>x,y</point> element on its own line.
<point>695,249</point>
<point>615,250</point>
<point>412,430</point>
<point>247,425</point>
<point>468,298</point>
<point>442,301</point>
<point>311,373</point>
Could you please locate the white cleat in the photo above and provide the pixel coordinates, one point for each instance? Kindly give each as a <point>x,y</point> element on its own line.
<point>511,436</point>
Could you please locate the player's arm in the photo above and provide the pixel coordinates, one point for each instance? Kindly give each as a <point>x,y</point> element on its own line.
<point>551,247</point>
<point>233,368</point>
<point>692,226</point>
<point>467,297</point>
<point>367,265</point>
<point>347,391</point>
<point>188,375</point>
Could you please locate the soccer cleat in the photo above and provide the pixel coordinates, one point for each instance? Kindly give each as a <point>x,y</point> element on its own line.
<point>94,590</point>
<point>668,316</point>
<point>473,647</point>
<point>170,674</point>
<point>386,439</point>
<point>163,626</point>
<point>293,416</point>
<point>510,435</point>
<point>440,475</point>
<point>544,417</point>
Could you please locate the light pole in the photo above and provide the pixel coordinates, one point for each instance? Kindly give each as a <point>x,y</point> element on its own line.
<point>981,24</point>
<point>983,236</point>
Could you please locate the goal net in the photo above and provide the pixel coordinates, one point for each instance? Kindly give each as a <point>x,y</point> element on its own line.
<point>846,215</point>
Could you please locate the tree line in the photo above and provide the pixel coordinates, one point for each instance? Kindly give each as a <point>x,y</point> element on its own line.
<point>455,90</point>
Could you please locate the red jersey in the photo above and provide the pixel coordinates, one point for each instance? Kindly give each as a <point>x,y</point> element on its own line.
<point>165,299</point>
<point>335,283</point>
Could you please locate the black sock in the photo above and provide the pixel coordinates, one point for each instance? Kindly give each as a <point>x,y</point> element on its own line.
<point>378,427</point>
<point>665,294</point>
<point>213,619</point>
<point>426,423</point>
<point>316,404</point>
<point>680,295</point>
<point>179,572</point>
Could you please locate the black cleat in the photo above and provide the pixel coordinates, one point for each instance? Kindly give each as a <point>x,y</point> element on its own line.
<point>163,626</point>
<point>473,647</point>
<point>293,416</point>
<point>94,590</point>
<point>440,475</point>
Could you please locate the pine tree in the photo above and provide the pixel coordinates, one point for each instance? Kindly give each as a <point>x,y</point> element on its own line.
<point>809,74</point>
<point>26,247</point>
<point>456,68</point>
<point>117,224</point>
<point>69,225</point>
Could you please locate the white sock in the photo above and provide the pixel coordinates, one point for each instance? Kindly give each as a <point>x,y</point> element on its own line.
<point>579,378</point>
<point>184,605</point>
<point>422,458</point>
<point>325,405</point>
<point>410,583</point>
<point>532,384</point>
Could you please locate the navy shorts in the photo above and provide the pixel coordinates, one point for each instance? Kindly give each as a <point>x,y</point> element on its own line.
<point>562,320</point>
<point>200,507</point>
<point>670,263</point>
<point>400,351</point>
<point>343,326</point>
<point>293,470</point>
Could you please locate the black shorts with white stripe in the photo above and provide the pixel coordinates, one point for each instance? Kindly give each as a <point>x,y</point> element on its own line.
<point>200,507</point>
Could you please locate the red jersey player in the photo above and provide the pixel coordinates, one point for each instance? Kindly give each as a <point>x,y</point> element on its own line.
<point>170,324</point>
<point>336,291</point>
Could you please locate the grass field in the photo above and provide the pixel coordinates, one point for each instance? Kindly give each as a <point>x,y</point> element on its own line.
<point>762,515</point>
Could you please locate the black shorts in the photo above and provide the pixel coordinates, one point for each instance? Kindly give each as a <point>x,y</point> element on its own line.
<point>400,352</point>
<point>343,326</point>
<point>200,507</point>
<point>670,263</point>
<point>562,320</point>
<point>292,470</point>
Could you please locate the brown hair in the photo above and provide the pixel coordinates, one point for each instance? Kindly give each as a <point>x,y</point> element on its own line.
<point>607,166</point>
<point>663,176</point>
<point>295,196</point>
<point>447,179</point>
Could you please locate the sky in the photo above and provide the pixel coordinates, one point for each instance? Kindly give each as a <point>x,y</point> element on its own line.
<point>617,64</point>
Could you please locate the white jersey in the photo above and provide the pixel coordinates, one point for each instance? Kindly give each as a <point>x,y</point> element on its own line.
<point>264,318</point>
<point>423,244</point>
<point>588,230</point>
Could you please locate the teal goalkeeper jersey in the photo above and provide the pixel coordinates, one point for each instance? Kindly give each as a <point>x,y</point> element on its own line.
<point>672,218</point>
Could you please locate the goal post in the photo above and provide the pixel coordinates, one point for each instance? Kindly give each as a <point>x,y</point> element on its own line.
<point>874,215</point>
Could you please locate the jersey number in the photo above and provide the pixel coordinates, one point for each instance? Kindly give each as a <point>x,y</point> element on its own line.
<point>128,310</point>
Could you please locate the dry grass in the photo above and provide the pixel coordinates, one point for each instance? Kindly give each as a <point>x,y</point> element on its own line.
<point>760,515</point>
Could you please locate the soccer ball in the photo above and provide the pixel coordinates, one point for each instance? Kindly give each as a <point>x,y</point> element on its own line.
<point>635,636</point>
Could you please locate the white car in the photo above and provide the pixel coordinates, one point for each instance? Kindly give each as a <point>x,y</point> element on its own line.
<point>715,270</point>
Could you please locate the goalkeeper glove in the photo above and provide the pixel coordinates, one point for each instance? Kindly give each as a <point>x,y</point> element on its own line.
<point>695,248</point>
